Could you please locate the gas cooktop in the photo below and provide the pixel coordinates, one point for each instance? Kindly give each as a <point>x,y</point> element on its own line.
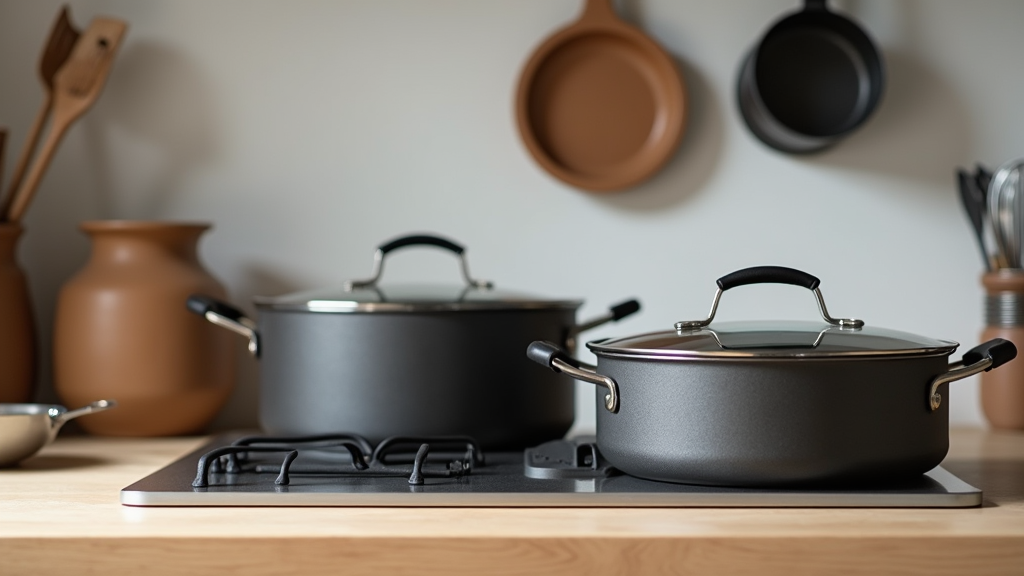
<point>346,470</point>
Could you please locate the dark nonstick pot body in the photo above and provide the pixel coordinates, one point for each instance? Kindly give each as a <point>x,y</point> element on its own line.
<point>410,360</point>
<point>773,403</point>
<point>429,373</point>
<point>773,423</point>
<point>814,77</point>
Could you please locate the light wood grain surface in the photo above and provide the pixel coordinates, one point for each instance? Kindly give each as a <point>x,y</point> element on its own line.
<point>60,513</point>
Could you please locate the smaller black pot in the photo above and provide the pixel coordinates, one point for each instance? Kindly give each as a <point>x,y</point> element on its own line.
<point>814,78</point>
<point>774,403</point>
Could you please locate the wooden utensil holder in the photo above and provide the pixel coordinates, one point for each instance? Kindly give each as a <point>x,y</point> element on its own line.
<point>17,330</point>
<point>122,331</point>
<point>1002,391</point>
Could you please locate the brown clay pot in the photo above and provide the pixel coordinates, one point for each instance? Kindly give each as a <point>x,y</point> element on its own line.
<point>123,332</point>
<point>1002,391</point>
<point>17,331</point>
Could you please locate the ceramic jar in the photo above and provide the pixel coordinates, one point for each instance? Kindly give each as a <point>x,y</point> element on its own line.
<point>17,331</point>
<point>123,331</point>
<point>1002,391</point>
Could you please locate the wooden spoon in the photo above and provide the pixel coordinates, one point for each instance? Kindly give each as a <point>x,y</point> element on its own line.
<point>76,87</point>
<point>58,47</point>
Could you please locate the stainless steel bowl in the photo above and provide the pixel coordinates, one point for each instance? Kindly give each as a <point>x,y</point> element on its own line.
<point>26,428</point>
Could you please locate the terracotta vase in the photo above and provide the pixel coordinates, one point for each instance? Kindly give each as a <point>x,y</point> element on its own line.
<point>17,330</point>
<point>123,332</point>
<point>1002,391</point>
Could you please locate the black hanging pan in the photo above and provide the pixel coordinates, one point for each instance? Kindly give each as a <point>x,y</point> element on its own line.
<point>815,77</point>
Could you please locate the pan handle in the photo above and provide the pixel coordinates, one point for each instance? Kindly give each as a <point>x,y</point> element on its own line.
<point>226,316</point>
<point>60,419</point>
<point>981,358</point>
<point>417,240</point>
<point>769,275</point>
<point>551,356</point>
<point>597,11</point>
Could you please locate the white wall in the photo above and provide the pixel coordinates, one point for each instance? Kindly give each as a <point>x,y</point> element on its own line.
<point>309,131</point>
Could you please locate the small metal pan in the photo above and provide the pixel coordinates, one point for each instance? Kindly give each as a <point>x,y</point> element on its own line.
<point>600,105</point>
<point>814,78</point>
<point>26,428</point>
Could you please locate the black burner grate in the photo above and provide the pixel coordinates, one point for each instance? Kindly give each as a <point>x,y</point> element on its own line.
<point>343,455</point>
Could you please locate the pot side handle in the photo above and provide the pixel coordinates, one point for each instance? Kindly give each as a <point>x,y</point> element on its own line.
<point>614,314</point>
<point>981,358</point>
<point>226,316</point>
<point>558,360</point>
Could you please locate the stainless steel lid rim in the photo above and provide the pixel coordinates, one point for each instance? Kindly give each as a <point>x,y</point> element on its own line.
<point>342,307</point>
<point>788,356</point>
<point>774,339</point>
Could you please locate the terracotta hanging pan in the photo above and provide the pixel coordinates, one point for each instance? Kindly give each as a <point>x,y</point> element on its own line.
<point>600,105</point>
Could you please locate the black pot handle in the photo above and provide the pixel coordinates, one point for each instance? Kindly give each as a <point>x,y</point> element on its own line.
<point>981,358</point>
<point>421,240</point>
<point>558,360</point>
<point>226,316</point>
<point>769,275</point>
<point>417,240</point>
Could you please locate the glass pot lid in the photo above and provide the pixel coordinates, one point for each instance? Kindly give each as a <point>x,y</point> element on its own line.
<point>832,337</point>
<point>773,339</point>
<point>370,296</point>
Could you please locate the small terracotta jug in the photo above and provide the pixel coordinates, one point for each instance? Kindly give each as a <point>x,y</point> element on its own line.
<point>17,330</point>
<point>123,332</point>
<point>1002,391</point>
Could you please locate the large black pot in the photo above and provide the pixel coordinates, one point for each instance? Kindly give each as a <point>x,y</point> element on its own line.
<point>814,78</point>
<point>773,403</point>
<point>385,361</point>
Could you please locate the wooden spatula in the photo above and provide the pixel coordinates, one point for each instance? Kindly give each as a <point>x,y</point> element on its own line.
<point>76,86</point>
<point>58,47</point>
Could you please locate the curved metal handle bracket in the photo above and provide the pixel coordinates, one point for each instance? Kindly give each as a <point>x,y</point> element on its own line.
<point>694,324</point>
<point>841,322</point>
<point>958,372</point>
<point>611,399</point>
<point>243,326</point>
<point>982,358</point>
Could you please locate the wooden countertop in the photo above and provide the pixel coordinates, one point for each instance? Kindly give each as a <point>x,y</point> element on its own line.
<point>60,513</point>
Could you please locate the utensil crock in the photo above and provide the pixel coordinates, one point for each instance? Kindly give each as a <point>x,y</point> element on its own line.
<point>1002,391</point>
<point>17,331</point>
<point>122,331</point>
